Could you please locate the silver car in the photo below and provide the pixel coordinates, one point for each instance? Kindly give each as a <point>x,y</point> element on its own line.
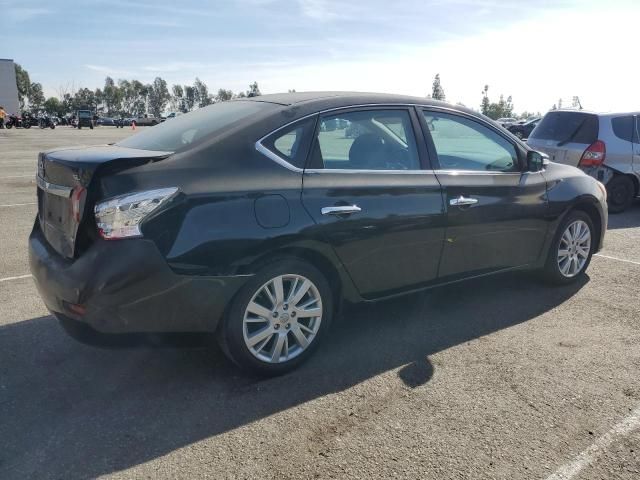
<point>606,146</point>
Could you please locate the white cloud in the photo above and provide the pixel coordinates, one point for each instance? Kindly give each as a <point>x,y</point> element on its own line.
<point>109,70</point>
<point>321,10</point>
<point>561,53</point>
<point>22,14</point>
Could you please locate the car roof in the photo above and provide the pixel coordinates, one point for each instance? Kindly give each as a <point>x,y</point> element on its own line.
<point>591,112</point>
<point>347,98</point>
<point>307,102</point>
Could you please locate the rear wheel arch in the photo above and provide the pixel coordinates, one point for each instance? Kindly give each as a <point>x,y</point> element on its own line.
<point>315,258</point>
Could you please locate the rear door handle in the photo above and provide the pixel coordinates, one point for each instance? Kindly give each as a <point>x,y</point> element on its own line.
<point>340,210</point>
<point>461,201</point>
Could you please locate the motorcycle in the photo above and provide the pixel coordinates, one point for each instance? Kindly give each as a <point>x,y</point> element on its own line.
<point>46,121</point>
<point>15,121</point>
<point>27,121</point>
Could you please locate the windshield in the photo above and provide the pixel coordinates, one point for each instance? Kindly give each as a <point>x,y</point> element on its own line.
<point>576,127</point>
<point>187,129</point>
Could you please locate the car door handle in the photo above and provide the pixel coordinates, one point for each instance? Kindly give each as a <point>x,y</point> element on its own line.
<point>461,201</point>
<point>340,210</point>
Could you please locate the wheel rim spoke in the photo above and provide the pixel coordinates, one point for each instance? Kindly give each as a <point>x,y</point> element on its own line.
<point>574,248</point>
<point>311,312</point>
<point>302,290</point>
<point>282,318</point>
<point>299,336</point>
<point>259,310</point>
<point>277,348</point>
<point>263,334</point>
<point>279,290</point>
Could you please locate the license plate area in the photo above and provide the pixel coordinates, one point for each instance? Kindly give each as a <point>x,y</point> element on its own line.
<point>55,216</point>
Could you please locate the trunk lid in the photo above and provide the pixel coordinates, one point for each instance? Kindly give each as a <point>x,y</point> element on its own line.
<point>65,184</point>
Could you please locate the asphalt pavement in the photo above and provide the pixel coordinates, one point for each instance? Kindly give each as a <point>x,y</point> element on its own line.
<point>504,378</point>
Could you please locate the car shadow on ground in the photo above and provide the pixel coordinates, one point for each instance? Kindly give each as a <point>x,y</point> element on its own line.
<point>628,219</point>
<point>72,411</point>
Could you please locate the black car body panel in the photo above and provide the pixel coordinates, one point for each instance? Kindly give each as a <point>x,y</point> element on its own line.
<point>128,288</point>
<point>239,206</point>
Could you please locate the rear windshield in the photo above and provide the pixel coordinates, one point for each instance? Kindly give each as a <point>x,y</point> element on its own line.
<point>184,130</point>
<point>568,127</point>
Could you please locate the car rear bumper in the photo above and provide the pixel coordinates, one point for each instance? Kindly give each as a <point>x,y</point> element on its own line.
<point>127,286</point>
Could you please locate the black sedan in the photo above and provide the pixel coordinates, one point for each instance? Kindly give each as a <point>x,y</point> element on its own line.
<point>523,130</point>
<point>250,220</point>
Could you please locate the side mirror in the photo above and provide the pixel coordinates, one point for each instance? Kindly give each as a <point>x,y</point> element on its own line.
<point>536,161</point>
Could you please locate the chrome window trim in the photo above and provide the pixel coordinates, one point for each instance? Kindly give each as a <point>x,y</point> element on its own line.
<point>273,156</point>
<point>351,170</point>
<point>283,162</point>
<point>59,190</point>
<point>475,172</point>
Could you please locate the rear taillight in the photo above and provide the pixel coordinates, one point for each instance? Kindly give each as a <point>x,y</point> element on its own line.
<point>594,155</point>
<point>120,217</point>
<point>77,203</point>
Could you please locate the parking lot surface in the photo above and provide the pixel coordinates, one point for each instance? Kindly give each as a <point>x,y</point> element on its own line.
<point>502,378</point>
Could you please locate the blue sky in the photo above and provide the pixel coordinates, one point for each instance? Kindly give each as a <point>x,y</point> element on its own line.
<point>535,50</point>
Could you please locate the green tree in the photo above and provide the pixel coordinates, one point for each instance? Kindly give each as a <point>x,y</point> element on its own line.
<point>24,84</point>
<point>112,96</point>
<point>53,106</point>
<point>36,97</point>
<point>254,90</point>
<point>224,95</point>
<point>189,98</point>
<point>201,93</point>
<point>504,108</point>
<point>484,106</point>
<point>437,92</point>
<point>177,98</point>
<point>158,96</point>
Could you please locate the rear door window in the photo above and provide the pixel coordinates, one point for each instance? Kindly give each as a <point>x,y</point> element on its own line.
<point>568,127</point>
<point>292,143</point>
<point>366,140</point>
<point>623,127</point>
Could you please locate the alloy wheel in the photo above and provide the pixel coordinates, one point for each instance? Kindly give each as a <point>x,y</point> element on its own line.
<point>574,248</point>
<point>282,318</point>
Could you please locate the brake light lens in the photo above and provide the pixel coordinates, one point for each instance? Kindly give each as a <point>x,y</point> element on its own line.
<point>120,217</point>
<point>594,155</point>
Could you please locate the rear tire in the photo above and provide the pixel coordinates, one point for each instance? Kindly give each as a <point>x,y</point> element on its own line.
<point>290,322</point>
<point>620,193</point>
<point>570,252</point>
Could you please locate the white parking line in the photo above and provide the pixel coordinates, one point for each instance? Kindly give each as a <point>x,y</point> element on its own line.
<point>589,455</point>
<point>18,204</point>
<point>18,176</point>
<point>618,259</point>
<point>8,279</point>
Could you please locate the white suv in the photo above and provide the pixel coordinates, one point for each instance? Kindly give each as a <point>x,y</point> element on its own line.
<point>606,146</point>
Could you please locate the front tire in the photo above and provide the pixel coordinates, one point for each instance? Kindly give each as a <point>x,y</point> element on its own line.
<point>620,193</point>
<point>571,250</point>
<point>278,318</point>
